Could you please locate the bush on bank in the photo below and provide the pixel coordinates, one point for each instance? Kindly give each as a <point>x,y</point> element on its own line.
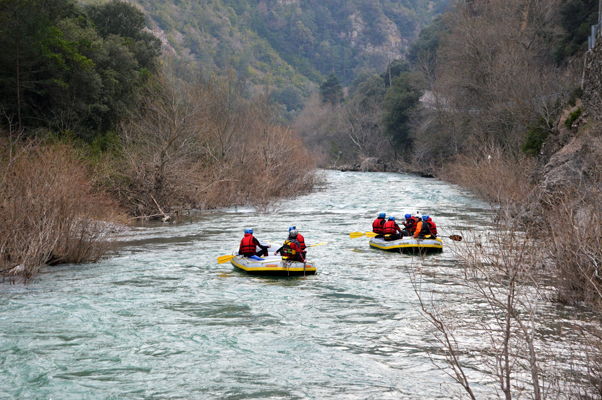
<point>50,209</point>
<point>204,144</point>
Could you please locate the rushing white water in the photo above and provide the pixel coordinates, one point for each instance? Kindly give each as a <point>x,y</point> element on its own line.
<point>160,318</point>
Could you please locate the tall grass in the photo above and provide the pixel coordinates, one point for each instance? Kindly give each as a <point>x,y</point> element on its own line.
<point>502,179</point>
<point>49,209</point>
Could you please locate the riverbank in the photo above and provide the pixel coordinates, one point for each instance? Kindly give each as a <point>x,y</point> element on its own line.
<point>191,145</point>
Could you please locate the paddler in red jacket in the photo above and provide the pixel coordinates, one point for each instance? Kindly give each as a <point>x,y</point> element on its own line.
<point>392,231</point>
<point>249,244</point>
<point>378,226</point>
<point>300,239</point>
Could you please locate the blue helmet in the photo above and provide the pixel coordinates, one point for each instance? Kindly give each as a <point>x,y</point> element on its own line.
<point>382,215</point>
<point>425,217</point>
<point>391,218</point>
<point>290,228</point>
<point>408,216</point>
<point>249,231</point>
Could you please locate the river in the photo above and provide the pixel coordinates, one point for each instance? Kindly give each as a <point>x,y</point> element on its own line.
<point>160,318</point>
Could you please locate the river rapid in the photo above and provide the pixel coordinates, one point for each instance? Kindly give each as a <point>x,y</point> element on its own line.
<point>160,318</point>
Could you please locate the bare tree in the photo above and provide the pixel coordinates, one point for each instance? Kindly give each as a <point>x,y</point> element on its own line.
<point>500,271</point>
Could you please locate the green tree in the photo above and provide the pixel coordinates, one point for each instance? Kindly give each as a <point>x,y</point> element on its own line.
<point>36,58</point>
<point>394,69</point>
<point>576,18</point>
<point>56,71</point>
<point>331,90</point>
<point>118,18</point>
<point>399,104</point>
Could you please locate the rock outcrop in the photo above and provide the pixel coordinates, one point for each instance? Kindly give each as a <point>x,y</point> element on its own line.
<point>575,164</point>
<point>592,83</point>
<point>373,164</point>
<point>349,167</point>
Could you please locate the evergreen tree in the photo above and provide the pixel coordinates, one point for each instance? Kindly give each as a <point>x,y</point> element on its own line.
<point>35,56</point>
<point>400,102</point>
<point>57,72</point>
<point>331,90</point>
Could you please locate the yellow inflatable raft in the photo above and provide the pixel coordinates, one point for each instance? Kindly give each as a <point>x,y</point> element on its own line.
<point>272,265</point>
<point>409,245</point>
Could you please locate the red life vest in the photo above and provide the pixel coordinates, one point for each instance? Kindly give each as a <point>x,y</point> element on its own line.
<point>427,228</point>
<point>378,226</point>
<point>390,227</point>
<point>301,241</point>
<point>411,224</point>
<point>432,227</point>
<point>247,245</point>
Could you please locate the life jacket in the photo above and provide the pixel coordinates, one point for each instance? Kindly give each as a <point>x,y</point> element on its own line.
<point>432,227</point>
<point>426,229</point>
<point>247,244</point>
<point>390,227</point>
<point>290,249</point>
<point>378,226</point>
<point>411,224</point>
<point>301,241</point>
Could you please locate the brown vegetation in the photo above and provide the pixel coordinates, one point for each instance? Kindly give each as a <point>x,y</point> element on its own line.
<point>496,177</point>
<point>500,125</point>
<point>500,271</point>
<point>192,144</point>
<point>495,78</point>
<point>347,133</point>
<point>50,210</point>
<point>204,145</point>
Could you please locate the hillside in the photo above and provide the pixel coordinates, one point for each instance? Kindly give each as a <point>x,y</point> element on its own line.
<point>289,44</point>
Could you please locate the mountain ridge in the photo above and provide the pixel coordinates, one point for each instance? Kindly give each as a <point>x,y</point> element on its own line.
<point>283,43</point>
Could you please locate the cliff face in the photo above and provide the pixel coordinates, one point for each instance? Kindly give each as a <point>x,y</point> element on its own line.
<point>592,83</point>
<point>574,167</point>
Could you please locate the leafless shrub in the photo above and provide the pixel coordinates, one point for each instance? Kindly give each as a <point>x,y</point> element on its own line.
<point>500,277</point>
<point>203,144</point>
<point>495,77</point>
<point>502,179</point>
<point>50,211</point>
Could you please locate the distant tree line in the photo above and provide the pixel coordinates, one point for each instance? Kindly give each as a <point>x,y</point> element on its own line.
<point>374,120</point>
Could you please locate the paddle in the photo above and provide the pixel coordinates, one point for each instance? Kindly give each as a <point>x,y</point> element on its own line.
<point>224,259</point>
<point>456,238</point>
<point>319,244</point>
<point>354,235</point>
